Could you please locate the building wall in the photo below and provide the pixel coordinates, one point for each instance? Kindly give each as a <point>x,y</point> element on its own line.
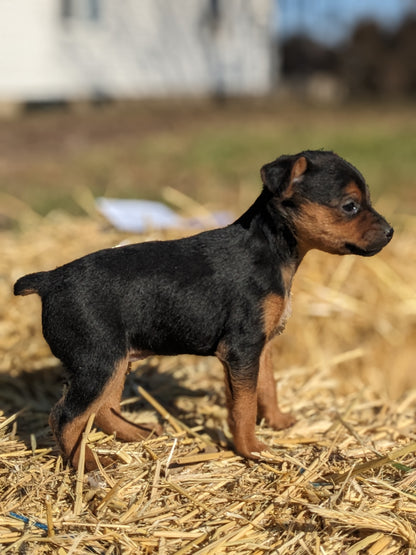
<point>58,49</point>
<point>25,46</point>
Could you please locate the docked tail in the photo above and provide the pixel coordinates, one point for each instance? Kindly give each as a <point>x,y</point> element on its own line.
<point>31,283</point>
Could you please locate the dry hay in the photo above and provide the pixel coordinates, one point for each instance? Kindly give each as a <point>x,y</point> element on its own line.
<point>340,481</point>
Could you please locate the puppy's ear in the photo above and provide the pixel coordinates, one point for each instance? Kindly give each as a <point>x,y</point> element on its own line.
<point>279,176</point>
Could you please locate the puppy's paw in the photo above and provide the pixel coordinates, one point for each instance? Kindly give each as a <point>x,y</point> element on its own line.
<point>281,420</point>
<point>250,448</point>
<point>90,460</point>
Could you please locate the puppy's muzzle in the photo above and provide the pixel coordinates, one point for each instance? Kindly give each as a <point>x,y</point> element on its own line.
<point>375,239</point>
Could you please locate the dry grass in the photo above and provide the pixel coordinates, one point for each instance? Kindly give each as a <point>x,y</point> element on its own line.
<point>340,481</point>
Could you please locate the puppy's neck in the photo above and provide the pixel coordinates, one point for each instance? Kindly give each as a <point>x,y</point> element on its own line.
<point>266,220</point>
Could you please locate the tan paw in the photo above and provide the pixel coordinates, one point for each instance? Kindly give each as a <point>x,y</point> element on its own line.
<point>281,421</point>
<point>250,449</point>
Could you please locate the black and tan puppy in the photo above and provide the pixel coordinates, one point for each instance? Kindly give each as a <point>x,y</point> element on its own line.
<point>223,292</point>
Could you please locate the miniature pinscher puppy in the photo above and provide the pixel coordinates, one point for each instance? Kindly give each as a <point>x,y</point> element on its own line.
<point>224,292</point>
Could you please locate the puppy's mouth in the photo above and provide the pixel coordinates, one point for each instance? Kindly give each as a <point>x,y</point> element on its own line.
<point>378,243</point>
<point>353,249</point>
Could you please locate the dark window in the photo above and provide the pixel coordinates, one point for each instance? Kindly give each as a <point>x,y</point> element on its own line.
<point>82,10</point>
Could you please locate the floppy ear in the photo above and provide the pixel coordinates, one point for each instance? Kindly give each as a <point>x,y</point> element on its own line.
<point>280,175</point>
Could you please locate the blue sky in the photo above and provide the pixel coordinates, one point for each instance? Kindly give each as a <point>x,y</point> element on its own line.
<point>332,20</point>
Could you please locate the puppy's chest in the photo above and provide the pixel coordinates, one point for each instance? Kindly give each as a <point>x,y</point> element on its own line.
<point>276,312</point>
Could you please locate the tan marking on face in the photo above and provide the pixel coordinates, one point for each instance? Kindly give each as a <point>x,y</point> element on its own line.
<point>315,228</point>
<point>352,190</point>
<point>322,227</point>
<point>276,310</point>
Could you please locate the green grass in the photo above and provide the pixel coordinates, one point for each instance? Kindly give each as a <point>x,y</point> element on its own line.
<point>212,154</point>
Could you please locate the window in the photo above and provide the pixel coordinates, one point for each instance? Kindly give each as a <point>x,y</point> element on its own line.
<point>84,10</point>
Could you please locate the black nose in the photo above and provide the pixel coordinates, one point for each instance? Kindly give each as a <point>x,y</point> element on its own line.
<point>389,232</point>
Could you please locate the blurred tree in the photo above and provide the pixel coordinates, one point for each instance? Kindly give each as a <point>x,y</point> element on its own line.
<point>373,62</point>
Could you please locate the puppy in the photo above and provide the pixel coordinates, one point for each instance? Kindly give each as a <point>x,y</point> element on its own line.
<point>224,292</point>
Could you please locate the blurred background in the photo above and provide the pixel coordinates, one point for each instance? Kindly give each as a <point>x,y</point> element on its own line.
<point>182,102</point>
<point>127,98</point>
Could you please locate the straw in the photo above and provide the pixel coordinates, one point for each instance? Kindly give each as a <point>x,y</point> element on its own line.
<point>81,465</point>
<point>341,480</point>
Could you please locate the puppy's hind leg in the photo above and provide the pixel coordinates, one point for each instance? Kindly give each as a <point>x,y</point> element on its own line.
<point>109,417</point>
<point>69,417</point>
<point>94,391</point>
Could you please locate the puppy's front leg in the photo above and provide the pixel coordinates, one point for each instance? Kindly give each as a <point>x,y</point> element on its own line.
<point>267,403</point>
<point>241,400</point>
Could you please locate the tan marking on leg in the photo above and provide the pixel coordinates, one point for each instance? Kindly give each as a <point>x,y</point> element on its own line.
<point>107,410</point>
<point>273,306</point>
<point>109,417</point>
<point>242,408</point>
<point>288,272</point>
<point>276,311</point>
<point>267,403</point>
<point>69,438</point>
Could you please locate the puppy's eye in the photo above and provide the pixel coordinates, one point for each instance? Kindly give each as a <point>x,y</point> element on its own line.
<point>351,207</point>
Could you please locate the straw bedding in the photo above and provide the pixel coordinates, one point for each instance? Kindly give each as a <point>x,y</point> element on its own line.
<point>342,480</point>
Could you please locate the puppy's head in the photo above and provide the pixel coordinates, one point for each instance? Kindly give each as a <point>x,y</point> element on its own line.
<point>327,203</point>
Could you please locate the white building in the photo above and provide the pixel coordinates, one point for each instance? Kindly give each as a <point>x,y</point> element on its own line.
<point>73,49</point>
